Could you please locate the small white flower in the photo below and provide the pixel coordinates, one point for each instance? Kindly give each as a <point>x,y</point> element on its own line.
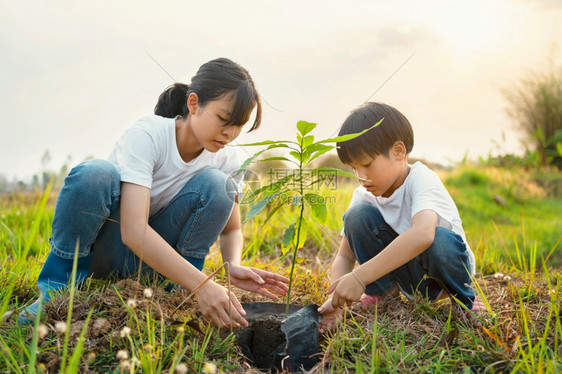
<point>125,331</point>
<point>60,327</point>
<point>90,357</point>
<point>132,303</point>
<point>498,275</point>
<point>181,368</point>
<point>209,368</point>
<point>148,293</point>
<point>122,355</point>
<point>42,331</point>
<point>125,365</point>
<point>507,278</point>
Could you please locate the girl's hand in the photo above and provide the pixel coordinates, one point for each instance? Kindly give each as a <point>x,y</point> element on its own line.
<point>214,303</point>
<point>345,290</point>
<point>258,281</point>
<point>331,316</point>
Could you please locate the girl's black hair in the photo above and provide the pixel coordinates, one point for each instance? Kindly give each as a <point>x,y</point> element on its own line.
<point>379,140</point>
<point>213,80</point>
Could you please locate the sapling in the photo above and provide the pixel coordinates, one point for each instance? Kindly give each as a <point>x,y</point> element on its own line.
<point>297,186</point>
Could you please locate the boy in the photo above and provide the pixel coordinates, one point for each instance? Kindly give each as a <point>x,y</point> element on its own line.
<point>402,225</point>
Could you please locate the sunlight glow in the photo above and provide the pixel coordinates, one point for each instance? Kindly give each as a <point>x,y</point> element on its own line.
<point>471,27</point>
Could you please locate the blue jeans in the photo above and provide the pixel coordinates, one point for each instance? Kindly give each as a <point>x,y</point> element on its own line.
<point>444,265</point>
<point>87,211</point>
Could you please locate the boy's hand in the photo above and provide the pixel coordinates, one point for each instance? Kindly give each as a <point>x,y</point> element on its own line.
<point>345,290</point>
<point>214,302</point>
<point>331,316</point>
<point>258,281</point>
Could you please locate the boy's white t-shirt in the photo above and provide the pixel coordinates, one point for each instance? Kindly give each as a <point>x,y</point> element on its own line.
<point>422,190</point>
<point>147,155</point>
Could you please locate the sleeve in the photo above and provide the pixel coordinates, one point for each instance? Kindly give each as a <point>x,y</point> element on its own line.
<point>429,193</point>
<point>135,154</point>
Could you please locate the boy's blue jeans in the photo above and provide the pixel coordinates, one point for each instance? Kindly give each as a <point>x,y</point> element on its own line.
<point>87,211</point>
<point>444,265</point>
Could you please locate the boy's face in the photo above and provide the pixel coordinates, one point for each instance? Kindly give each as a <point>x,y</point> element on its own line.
<point>383,174</point>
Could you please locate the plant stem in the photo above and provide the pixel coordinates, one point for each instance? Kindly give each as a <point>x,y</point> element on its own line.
<point>295,250</point>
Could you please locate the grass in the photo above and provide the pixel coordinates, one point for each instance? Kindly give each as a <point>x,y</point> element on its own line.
<point>117,327</point>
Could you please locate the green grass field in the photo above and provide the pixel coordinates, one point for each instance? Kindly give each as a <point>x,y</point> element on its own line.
<point>512,218</point>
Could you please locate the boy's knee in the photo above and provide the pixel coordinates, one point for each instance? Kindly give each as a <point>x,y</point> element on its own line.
<point>447,247</point>
<point>358,216</point>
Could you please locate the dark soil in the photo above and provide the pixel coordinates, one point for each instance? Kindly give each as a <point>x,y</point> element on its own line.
<point>262,340</point>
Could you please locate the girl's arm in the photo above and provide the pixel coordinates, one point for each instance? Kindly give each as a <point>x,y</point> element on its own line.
<point>151,248</point>
<point>250,279</point>
<point>404,248</point>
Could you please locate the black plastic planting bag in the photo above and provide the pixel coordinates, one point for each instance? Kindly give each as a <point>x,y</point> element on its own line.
<point>275,341</point>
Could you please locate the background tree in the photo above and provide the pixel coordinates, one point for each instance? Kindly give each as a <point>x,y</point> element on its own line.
<point>535,103</point>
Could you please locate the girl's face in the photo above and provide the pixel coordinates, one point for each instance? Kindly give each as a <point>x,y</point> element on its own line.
<point>383,174</point>
<point>207,123</point>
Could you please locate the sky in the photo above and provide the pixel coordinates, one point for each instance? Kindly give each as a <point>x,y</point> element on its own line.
<point>75,75</point>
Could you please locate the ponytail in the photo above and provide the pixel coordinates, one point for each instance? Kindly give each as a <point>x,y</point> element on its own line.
<point>213,80</point>
<point>173,101</point>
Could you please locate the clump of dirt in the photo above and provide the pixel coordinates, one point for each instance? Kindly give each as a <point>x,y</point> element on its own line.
<point>262,341</point>
<point>111,308</point>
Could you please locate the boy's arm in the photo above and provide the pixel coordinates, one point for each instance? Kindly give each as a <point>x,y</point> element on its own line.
<point>404,248</point>
<point>344,260</point>
<point>342,265</point>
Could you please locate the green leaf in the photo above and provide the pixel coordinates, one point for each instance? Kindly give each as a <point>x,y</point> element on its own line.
<point>289,235</point>
<point>315,150</point>
<point>307,140</point>
<point>276,158</point>
<point>281,145</point>
<point>276,186</point>
<point>265,142</point>
<point>256,209</point>
<point>344,138</point>
<point>273,211</point>
<point>318,205</point>
<point>296,155</point>
<point>303,234</point>
<point>318,147</point>
<point>248,161</point>
<point>305,127</point>
<point>559,148</point>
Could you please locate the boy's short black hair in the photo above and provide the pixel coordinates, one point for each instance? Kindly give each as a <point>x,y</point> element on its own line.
<point>394,127</point>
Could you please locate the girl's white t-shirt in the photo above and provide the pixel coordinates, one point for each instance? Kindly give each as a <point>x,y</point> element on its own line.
<point>147,155</point>
<point>422,190</point>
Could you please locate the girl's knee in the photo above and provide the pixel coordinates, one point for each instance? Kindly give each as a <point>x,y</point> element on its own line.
<point>94,173</point>
<point>215,185</point>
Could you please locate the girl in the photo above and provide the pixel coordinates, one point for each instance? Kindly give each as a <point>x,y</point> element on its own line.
<point>163,198</point>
